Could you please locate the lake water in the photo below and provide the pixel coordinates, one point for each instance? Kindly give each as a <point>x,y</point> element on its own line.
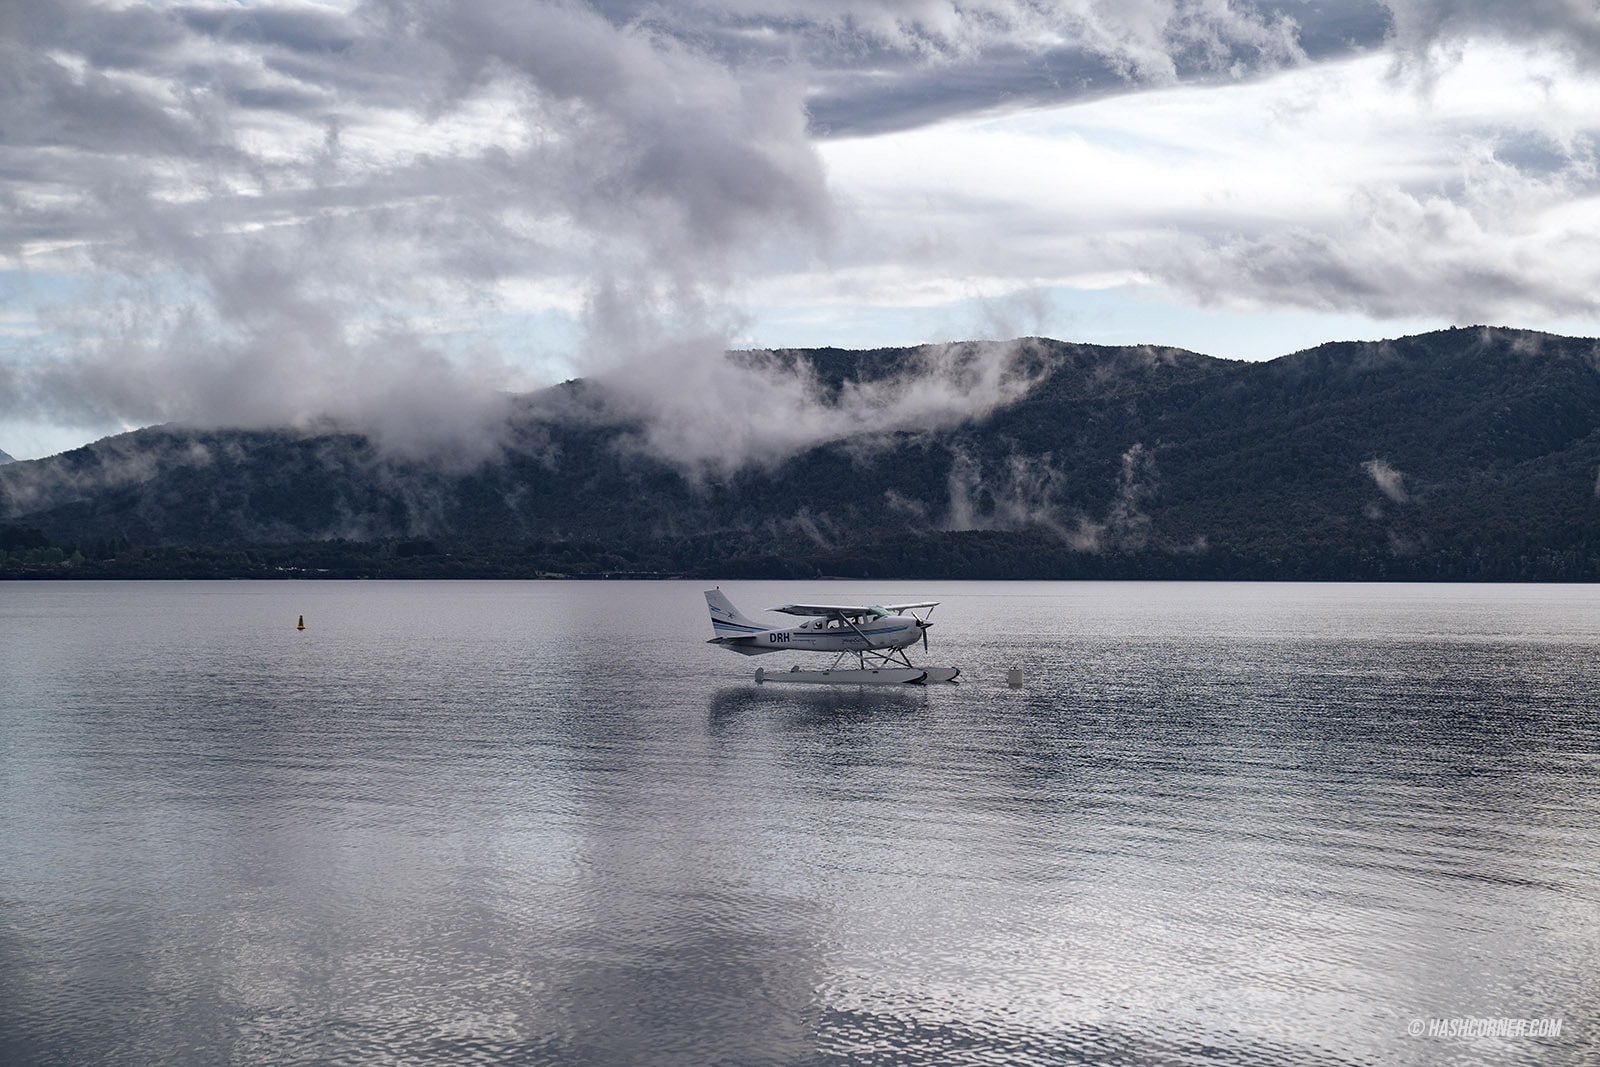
<point>546,823</point>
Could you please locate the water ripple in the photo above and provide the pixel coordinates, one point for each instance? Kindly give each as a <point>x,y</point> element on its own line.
<point>1217,825</point>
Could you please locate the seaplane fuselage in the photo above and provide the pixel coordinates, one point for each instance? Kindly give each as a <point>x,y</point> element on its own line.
<point>851,630</point>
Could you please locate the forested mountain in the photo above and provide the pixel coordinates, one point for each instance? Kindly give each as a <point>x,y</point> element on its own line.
<point>1469,454</point>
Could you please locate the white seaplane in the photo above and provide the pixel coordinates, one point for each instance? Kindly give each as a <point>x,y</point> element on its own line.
<point>876,635</point>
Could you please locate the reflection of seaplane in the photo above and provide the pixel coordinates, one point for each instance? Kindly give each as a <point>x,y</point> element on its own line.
<point>876,635</point>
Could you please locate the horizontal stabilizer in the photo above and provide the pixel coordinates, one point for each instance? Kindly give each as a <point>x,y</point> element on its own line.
<point>745,646</point>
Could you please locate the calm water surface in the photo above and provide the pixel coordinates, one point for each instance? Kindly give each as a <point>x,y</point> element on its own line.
<point>546,823</point>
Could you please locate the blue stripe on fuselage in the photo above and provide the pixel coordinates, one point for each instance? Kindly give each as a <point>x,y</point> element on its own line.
<point>865,634</point>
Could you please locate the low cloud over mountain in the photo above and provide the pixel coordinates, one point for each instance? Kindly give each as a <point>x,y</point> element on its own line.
<point>1465,454</point>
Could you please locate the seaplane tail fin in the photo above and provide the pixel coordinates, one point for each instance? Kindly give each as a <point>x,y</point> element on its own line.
<point>726,620</point>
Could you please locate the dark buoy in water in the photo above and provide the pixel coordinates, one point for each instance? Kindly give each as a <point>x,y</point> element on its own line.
<point>302,625</point>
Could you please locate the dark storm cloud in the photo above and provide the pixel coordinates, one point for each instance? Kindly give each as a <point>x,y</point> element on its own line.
<point>898,92</point>
<point>620,122</point>
<point>297,29</point>
<point>897,64</point>
<point>1570,25</point>
<point>49,107</point>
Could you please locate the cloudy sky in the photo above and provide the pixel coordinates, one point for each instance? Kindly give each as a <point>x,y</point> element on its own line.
<point>390,212</point>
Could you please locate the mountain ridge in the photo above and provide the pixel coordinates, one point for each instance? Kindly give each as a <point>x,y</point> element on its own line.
<point>1468,454</point>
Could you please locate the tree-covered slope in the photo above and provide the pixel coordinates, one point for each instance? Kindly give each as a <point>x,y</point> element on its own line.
<point>1468,454</point>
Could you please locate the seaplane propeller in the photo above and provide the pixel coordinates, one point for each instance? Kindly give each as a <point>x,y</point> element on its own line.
<point>922,624</point>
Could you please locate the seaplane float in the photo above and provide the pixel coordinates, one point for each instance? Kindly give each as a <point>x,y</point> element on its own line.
<point>876,635</point>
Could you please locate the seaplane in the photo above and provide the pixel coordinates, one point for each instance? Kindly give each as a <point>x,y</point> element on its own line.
<point>876,635</point>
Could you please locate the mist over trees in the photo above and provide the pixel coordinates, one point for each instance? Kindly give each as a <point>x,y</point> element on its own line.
<point>1468,454</point>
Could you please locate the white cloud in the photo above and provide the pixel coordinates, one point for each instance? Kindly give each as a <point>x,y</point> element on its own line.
<point>1390,482</point>
<point>281,204</point>
<point>708,416</point>
<point>1321,188</point>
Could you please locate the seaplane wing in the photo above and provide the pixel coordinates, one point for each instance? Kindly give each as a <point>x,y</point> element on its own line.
<point>852,610</point>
